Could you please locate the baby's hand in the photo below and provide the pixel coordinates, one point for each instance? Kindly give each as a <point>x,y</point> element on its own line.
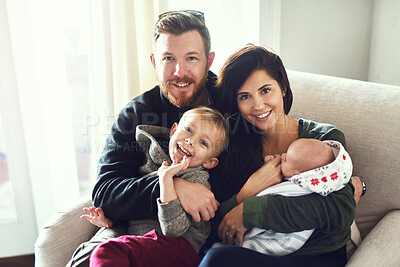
<point>175,167</point>
<point>268,158</point>
<point>97,217</point>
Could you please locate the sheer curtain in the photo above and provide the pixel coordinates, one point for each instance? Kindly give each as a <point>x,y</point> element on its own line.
<point>120,61</point>
<point>44,104</point>
<point>119,69</point>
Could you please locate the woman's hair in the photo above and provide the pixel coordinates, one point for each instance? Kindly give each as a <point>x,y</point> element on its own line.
<point>244,155</point>
<point>240,65</point>
<point>216,118</point>
<point>178,22</point>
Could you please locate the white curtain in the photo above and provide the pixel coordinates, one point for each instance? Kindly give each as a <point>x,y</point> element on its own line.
<point>121,47</point>
<point>120,69</point>
<point>39,69</point>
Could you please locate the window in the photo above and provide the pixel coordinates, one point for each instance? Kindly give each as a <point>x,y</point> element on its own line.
<point>7,201</point>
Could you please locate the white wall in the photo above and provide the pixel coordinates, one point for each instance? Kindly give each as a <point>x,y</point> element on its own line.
<point>327,37</point>
<point>356,39</point>
<point>385,43</point>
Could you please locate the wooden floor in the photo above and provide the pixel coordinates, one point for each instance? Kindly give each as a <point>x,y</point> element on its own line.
<point>19,261</point>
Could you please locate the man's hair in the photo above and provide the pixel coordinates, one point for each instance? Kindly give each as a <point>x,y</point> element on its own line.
<point>214,117</point>
<point>178,22</point>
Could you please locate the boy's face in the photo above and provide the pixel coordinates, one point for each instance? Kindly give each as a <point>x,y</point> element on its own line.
<point>196,138</point>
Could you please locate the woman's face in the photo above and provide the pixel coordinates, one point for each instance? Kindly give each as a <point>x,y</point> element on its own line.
<point>260,101</point>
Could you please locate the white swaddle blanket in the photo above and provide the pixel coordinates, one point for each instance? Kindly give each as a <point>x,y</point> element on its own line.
<point>323,180</point>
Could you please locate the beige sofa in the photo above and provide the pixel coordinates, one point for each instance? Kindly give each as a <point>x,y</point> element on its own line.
<point>368,114</point>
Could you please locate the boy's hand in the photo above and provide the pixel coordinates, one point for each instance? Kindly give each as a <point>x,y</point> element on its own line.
<point>175,167</point>
<point>96,216</point>
<point>166,174</point>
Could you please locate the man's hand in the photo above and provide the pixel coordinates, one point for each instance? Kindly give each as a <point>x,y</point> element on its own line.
<point>231,226</point>
<point>196,200</point>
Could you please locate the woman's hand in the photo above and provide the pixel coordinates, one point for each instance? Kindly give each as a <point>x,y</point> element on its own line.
<point>232,226</point>
<point>358,188</point>
<point>268,175</point>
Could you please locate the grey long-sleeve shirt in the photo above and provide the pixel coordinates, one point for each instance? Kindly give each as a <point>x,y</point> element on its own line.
<point>172,219</point>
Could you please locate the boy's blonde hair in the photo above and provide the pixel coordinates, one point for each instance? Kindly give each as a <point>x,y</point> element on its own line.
<point>216,118</point>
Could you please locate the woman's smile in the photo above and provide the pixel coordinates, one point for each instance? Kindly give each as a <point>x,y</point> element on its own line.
<point>263,115</point>
<point>260,100</point>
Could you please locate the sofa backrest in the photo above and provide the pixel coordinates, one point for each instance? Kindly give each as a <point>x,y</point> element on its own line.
<point>369,116</point>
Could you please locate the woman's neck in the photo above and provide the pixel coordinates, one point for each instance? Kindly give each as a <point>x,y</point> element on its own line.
<point>278,139</point>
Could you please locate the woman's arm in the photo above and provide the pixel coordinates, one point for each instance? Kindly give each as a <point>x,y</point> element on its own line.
<point>291,214</point>
<point>268,175</point>
<point>333,213</point>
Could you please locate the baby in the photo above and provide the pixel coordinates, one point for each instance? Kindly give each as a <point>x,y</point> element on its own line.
<point>202,133</point>
<point>310,166</point>
<point>305,154</point>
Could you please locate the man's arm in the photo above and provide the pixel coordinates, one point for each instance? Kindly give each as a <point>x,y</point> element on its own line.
<point>198,201</point>
<point>120,190</point>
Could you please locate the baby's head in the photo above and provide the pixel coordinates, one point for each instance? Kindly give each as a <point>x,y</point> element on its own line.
<point>202,134</point>
<point>305,154</point>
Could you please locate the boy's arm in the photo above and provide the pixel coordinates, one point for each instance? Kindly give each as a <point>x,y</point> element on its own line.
<point>173,219</point>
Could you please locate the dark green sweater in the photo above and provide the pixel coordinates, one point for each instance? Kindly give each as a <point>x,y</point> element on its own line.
<point>331,216</point>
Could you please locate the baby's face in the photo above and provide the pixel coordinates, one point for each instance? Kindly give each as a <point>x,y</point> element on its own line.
<point>288,166</point>
<point>304,155</point>
<point>196,138</point>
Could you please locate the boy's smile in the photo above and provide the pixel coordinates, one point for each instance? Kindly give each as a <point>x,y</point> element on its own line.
<point>195,138</point>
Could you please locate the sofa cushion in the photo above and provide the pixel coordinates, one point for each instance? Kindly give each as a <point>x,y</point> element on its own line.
<point>64,231</point>
<point>369,116</point>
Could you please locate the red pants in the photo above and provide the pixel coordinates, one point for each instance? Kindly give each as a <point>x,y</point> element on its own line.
<point>148,250</point>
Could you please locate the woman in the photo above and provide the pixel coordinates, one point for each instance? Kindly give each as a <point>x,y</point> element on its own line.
<point>255,88</point>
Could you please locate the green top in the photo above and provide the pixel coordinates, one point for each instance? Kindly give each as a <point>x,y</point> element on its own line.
<point>330,216</point>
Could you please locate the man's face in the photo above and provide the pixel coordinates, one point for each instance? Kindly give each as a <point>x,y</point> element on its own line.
<point>181,66</point>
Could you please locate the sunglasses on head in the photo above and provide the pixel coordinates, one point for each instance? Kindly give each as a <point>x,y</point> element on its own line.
<point>198,14</point>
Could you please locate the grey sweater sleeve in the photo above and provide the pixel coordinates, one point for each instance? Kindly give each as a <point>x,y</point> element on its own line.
<point>173,219</point>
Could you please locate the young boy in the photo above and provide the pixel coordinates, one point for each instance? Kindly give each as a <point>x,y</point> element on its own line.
<point>310,166</point>
<point>202,133</point>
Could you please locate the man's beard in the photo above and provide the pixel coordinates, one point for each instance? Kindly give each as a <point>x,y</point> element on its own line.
<point>180,99</point>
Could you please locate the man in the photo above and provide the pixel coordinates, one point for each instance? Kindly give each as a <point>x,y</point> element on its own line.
<point>182,59</point>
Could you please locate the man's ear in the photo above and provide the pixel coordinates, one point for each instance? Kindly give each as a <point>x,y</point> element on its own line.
<point>173,129</point>
<point>211,163</point>
<point>153,60</point>
<point>211,57</point>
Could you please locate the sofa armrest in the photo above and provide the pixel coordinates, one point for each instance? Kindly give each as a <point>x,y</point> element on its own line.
<point>381,246</point>
<point>62,234</point>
